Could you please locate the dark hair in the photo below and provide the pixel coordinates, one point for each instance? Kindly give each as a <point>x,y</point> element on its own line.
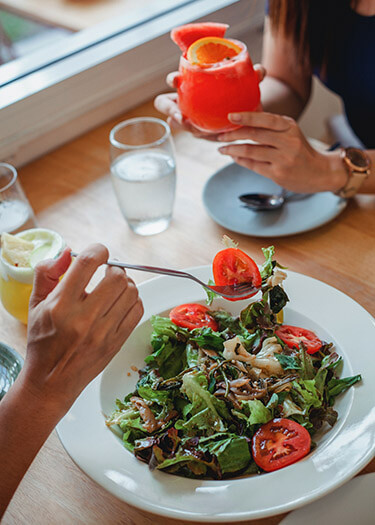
<point>319,22</point>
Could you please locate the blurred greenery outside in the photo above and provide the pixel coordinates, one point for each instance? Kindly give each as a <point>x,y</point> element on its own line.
<point>17,28</point>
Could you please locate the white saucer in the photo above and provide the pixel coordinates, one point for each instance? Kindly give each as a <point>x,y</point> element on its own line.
<point>220,197</point>
<point>354,502</point>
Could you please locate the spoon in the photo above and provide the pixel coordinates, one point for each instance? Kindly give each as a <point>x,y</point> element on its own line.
<point>268,202</point>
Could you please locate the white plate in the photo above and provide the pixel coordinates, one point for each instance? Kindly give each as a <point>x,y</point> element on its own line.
<point>352,503</point>
<point>220,197</point>
<point>341,453</point>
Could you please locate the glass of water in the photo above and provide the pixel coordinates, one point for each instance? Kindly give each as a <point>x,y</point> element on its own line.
<point>10,366</point>
<point>15,211</point>
<point>143,172</point>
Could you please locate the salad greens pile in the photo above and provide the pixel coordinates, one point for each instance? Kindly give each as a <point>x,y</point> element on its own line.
<point>203,394</point>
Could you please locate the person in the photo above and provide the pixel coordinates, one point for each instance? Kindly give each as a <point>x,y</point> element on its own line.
<point>334,40</point>
<point>72,335</point>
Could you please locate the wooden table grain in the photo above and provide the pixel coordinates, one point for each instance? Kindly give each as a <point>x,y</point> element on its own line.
<point>71,192</point>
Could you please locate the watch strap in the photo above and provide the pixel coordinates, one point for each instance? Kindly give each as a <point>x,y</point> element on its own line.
<point>356,175</point>
<point>354,182</point>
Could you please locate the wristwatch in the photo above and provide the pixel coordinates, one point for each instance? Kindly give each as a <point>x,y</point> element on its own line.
<point>358,166</point>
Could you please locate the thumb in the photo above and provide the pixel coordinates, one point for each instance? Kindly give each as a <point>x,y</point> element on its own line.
<point>260,72</point>
<point>173,79</point>
<point>47,275</point>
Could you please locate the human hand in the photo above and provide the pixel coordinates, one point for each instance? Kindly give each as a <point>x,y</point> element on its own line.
<point>167,103</point>
<point>72,334</point>
<point>282,153</point>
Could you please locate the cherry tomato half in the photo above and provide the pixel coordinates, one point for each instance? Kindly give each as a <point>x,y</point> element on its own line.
<point>233,266</point>
<point>292,336</point>
<point>280,443</point>
<point>192,316</point>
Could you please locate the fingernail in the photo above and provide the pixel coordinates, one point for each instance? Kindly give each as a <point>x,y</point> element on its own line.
<point>221,138</point>
<point>177,116</point>
<point>222,150</point>
<point>235,117</point>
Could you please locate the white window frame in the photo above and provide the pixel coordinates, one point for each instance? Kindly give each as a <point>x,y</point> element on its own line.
<point>57,102</point>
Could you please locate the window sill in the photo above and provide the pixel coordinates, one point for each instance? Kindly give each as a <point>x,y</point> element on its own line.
<point>63,100</point>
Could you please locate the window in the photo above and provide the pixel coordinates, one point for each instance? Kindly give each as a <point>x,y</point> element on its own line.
<point>81,78</point>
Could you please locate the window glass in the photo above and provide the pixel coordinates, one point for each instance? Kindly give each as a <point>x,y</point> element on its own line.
<point>42,30</point>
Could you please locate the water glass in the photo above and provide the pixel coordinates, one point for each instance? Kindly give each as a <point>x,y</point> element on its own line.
<point>143,172</point>
<point>15,211</point>
<point>10,366</point>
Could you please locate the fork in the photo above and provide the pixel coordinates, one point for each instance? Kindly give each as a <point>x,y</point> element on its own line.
<point>230,291</point>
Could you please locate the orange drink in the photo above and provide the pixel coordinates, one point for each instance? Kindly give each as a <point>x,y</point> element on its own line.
<point>18,257</point>
<point>216,77</point>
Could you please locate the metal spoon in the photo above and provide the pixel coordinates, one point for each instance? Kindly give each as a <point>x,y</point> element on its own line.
<point>269,202</point>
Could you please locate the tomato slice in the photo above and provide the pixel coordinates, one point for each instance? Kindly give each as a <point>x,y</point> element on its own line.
<point>292,336</point>
<point>192,316</point>
<point>233,266</point>
<point>280,443</point>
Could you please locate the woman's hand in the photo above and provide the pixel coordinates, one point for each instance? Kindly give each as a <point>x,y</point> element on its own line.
<point>72,334</point>
<point>167,103</point>
<point>282,153</point>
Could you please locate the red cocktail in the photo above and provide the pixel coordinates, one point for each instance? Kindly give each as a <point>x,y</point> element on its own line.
<point>207,89</point>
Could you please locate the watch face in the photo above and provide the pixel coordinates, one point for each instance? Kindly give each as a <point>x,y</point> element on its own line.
<point>357,158</point>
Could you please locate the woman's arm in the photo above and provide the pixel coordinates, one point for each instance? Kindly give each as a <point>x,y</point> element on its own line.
<point>286,88</point>
<point>72,336</point>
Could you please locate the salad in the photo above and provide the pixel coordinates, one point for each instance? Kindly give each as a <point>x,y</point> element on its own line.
<point>223,396</point>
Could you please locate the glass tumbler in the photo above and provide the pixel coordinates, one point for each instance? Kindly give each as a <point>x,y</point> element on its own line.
<point>15,211</point>
<point>143,172</point>
<point>10,366</point>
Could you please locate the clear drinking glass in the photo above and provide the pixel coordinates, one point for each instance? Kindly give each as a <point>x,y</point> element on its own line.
<point>143,172</point>
<point>10,366</point>
<point>15,211</point>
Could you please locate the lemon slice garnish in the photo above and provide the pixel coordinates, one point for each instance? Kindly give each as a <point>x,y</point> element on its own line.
<point>16,251</point>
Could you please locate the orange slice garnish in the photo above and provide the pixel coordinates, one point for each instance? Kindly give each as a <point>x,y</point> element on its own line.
<point>211,50</point>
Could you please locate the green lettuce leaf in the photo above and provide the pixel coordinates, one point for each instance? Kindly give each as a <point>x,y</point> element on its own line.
<point>158,396</point>
<point>191,356</point>
<point>258,315</point>
<point>273,402</point>
<point>290,408</point>
<point>226,321</point>
<point>232,451</point>
<point>307,370</point>
<point>257,412</point>
<point>168,357</point>
<point>128,413</point>
<point>168,342</point>
<point>288,362</point>
<point>210,294</point>
<point>306,395</point>
<point>130,436</point>
<point>163,326</point>
<point>207,412</point>
<point>329,362</point>
<point>266,269</point>
<point>335,387</point>
<point>206,338</point>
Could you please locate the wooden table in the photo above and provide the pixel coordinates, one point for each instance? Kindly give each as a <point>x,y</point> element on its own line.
<point>70,192</point>
<point>73,14</point>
